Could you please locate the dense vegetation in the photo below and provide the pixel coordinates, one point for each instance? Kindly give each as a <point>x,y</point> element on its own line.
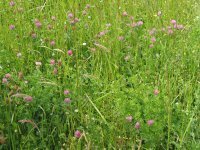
<point>95,74</point>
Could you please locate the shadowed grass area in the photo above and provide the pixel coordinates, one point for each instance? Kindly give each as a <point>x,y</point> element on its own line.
<point>99,74</point>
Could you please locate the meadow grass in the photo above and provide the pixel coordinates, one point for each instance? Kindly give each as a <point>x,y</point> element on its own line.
<point>99,74</point>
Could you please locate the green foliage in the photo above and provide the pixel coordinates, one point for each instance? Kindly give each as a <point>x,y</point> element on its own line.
<point>116,70</point>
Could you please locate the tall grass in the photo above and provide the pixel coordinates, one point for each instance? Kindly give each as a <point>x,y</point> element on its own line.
<point>128,59</point>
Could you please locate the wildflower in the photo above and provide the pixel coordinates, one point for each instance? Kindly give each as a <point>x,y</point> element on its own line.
<point>137,125</point>
<point>127,58</point>
<point>8,76</point>
<point>124,14</point>
<point>66,92</point>
<point>180,27</point>
<point>38,24</point>
<point>87,6</point>
<point>49,27</point>
<point>175,26</point>
<point>129,118</point>
<point>69,52</point>
<point>76,20</point>
<point>28,98</point>
<point>77,134</point>
<point>108,25</point>
<point>120,38</point>
<point>159,13</point>
<point>4,80</point>
<point>102,33</point>
<point>163,29</point>
<point>153,39</point>
<point>12,27</point>
<point>84,44</point>
<point>55,71</point>
<point>84,12</point>
<point>38,63</point>
<point>173,22</point>
<point>70,15</point>
<point>133,24</point>
<point>152,31</point>
<point>170,31</point>
<point>156,92</point>
<point>131,18</point>
<point>52,43</point>
<point>140,23</point>
<point>12,3</point>
<point>52,62</point>
<point>53,18</point>
<point>72,22</point>
<point>20,9</point>
<point>67,100</point>
<point>19,55</point>
<point>33,35</point>
<point>76,110</point>
<point>151,46</point>
<point>150,122</point>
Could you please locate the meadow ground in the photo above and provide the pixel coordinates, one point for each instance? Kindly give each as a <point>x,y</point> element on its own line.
<point>100,74</point>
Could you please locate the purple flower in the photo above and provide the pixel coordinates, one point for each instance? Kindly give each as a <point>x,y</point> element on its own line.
<point>67,100</point>
<point>38,24</point>
<point>8,75</point>
<point>173,22</point>
<point>12,3</point>
<point>33,35</point>
<point>55,71</point>
<point>131,18</point>
<point>76,20</point>
<point>150,122</point>
<point>77,134</point>
<point>4,80</point>
<point>120,38</point>
<point>151,46</point>
<point>140,23</point>
<point>70,15</point>
<point>153,39</point>
<point>129,118</point>
<point>137,125</point>
<point>28,98</point>
<point>69,52</point>
<point>52,62</point>
<point>66,92</point>
<point>52,43</point>
<point>124,13</point>
<point>170,31</point>
<point>152,32</point>
<point>156,92</point>
<point>12,27</point>
<point>87,6</point>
